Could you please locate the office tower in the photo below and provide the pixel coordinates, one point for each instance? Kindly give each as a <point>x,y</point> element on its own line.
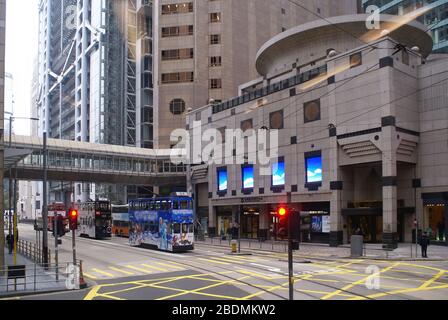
<point>203,50</point>
<point>435,19</point>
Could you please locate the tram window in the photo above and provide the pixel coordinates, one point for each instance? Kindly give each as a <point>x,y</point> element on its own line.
<point>175,205</point>
<point>152,206</point>
<point>191,228</point>
<point>184,228</point>
<point>166,205</point>
<point>158,205</point>
<point>176,228</point>
<point>184,205</point>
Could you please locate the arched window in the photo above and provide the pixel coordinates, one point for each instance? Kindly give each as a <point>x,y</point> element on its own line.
<point>177,106</point>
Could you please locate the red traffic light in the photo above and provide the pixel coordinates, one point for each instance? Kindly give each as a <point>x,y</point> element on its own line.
<point>73,214</point>
<point>282,211</point>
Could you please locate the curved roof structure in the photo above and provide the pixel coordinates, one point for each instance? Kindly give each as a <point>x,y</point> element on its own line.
<point>342,33</point>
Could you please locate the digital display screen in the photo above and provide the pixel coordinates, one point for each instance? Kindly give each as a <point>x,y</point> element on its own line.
<point>316,224</point>
<point>222,180</point>
<point>278,174</point>
<point>248,178</point>
<point>314,169</point>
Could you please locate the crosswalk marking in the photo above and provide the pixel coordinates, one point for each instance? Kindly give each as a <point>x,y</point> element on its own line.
<point>122,271</point>
<point>104,273</point>
<point>139,269</point>
<point>154,268</point>
<point>170,266</point>
<point>85,274</point>
<point>214,261</point>
<point>237,258</point>
<point>228,260</point>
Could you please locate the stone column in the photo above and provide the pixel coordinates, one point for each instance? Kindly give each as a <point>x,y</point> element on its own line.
<point>212,221</point>
<point>389,186</point>
<point>263,232</point>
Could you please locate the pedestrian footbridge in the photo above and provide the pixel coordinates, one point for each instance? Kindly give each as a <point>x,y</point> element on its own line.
<point>75,161</point>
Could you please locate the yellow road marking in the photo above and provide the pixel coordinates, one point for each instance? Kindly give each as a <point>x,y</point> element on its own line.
<point>228,261</point>
<point>354,284</point>
<point>214,261</point>
<point>92,293</point>
<point>154,268</point>
<point>378,295</point>
<point>432,280</point>
<point>104,273</point>
<point>139,269</point>
<point>170,266</point>
<point>254,274</point>
<point>122,271</point>
<point>89,276</point>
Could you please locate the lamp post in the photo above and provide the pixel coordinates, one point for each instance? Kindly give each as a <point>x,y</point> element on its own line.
<point>13,220</point>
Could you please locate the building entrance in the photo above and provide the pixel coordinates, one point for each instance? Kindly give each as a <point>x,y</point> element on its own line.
<point>434,222</point>
<point>250,223</point>
<point>370,226</point>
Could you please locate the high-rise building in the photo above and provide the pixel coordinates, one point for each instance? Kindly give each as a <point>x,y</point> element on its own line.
<point>203,49</point>
<point>89,54</point>
<point>2,107</point>
<point>435,19</point>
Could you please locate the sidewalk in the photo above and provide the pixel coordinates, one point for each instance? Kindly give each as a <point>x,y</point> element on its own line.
<point>324,251</point>
<point>37,279</point>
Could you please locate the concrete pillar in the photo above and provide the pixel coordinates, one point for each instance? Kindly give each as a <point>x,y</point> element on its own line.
<point>263,232</point>
<point>389,186</point>
<point>336,186</point>
<point>446,223</point>
<point>212,220</point>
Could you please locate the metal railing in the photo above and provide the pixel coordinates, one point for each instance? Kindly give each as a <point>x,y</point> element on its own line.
<point>260,244</point>
<point>32,251</point>
<point>36,278</point>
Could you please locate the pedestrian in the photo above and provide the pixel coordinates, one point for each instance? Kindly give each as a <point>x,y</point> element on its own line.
<point>10,242</point>
<point>424,243</point>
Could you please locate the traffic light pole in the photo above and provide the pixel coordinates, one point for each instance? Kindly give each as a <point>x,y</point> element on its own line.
<point>56,243</point>
<point>290,250</point>
<point>44,207</point>
<point>74,247</point>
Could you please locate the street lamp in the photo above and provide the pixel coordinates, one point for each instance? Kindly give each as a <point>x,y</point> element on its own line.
<point>13,224</point>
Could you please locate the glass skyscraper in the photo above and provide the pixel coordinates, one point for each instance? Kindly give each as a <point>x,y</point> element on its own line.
<point>436,19</point>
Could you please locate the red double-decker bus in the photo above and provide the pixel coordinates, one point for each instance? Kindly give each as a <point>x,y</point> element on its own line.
<point>57,209</point>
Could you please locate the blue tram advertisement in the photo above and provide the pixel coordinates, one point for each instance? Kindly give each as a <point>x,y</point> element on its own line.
<point>165,223</point>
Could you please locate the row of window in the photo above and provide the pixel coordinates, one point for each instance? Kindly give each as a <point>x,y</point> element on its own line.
<point>313,169</point>
<point>176,8</point>
<point>177,31</point>
<point>177,54</point>
<point>177,77</point>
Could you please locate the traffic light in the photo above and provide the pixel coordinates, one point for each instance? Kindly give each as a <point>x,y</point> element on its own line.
<point>282,212</point>
<point>73,219</point>
<point>58,223</point>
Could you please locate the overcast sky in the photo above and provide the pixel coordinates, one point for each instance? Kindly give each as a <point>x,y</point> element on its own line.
<point>22,20</point>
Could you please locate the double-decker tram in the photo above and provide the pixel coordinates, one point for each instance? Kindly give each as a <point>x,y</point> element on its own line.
<point>57,209</point>
<point>120,220</point>
<point>165,223</point>
<point>95,219</point>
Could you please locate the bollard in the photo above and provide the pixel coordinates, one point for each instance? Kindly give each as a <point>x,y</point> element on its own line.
<point>82,282</point>
<point>234,245</point>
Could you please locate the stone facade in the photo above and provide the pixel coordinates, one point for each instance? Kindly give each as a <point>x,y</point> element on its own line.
<point>239,28</point>
<point>362,135</point>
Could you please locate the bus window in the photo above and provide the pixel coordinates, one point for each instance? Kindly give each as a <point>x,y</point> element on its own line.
<point>152,206</point>
<point>176,228</point>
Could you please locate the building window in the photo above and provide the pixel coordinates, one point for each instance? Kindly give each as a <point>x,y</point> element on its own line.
<point>177,8</point>
<point>177,77</point>
<point>313,167</point>
<point>215,39</point>
<point>248,177</point>
<point>177,106</point>
<point>215,61</point>
<point>215,84</point>
<point>278,174</point>
<point>311,111</point>
<point>222,180</point>
<point>215,17</point>
<point>177,31</point>
<point>356,60</point>
<point>276,121</point>
<point>177,54</point>
<point>247,125</point>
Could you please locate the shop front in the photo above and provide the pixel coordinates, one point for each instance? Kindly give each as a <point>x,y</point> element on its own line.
<point>315,222</point>
<point>250,223</point>
<point>435,217</point>
<point>224,221</point>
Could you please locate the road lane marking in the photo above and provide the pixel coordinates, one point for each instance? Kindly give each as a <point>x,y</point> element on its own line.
<point>214,261</point>
<point>122,271</point>
<point>170,266</point>
<point>154,268</point>
<point>104,273</point>
<point>257,274</point>
<point>432,280</point>
<point>228,261</point>
<point>139,269</point>
<point>89,276</point>
<point>356,283</point>
<point>92,293</point>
